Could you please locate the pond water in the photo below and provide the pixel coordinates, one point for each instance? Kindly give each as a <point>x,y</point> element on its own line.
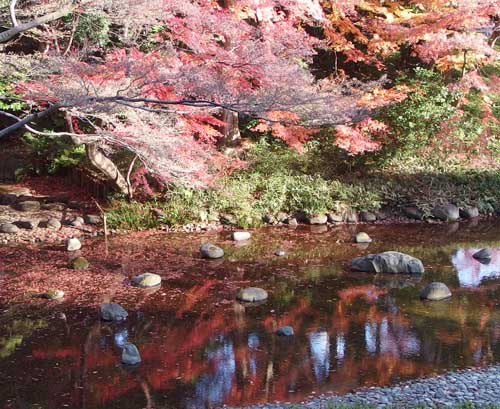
<point>201,349</point>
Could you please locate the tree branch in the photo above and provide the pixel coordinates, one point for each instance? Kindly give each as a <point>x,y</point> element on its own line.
<point>12,9</point>
<point>19,28</point>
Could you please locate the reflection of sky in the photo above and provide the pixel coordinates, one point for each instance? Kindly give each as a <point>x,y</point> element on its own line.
<point>214,387</point>
<point>371,337</point>
<point>121,338</point>
<point>319,343</point>
<point>253,344</point>
<point>470,271</point>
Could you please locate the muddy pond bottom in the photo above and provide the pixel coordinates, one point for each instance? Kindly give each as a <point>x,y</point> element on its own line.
<point>202,349</point>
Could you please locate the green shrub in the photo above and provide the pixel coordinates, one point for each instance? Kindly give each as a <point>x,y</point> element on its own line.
<point>92,29</point>
<point>415,120</point>
<point>52,153</point>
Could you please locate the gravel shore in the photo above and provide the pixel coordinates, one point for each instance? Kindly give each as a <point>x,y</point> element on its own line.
<point>478,386</point>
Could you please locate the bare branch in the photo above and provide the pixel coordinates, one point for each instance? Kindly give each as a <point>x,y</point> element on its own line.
<point>12,9</point>
<point>19,28</point>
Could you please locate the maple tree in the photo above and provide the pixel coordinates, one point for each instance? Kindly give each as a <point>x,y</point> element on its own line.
<point>170,80</point>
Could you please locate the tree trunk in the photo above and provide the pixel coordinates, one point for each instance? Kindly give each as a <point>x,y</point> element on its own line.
<point>232,136</point>
<point>107,167</point>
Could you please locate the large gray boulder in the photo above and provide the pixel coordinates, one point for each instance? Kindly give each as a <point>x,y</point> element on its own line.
<point>210,251</point>
<point>252,294</point>
<point>435,291</point>
<point>446,213</point>
<point>388,262</point>
<point>113,312</point>
<point>130,354</point>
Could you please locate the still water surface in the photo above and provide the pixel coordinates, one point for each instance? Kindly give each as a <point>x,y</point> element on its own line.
<point>200,349</point>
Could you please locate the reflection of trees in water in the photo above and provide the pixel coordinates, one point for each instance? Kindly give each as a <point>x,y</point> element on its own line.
<point>354,336</point>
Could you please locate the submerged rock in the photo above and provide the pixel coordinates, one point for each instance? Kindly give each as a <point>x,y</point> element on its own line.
<point>73,244</point>
<point>446,213</point>
<point>210,251</point>
<point>80,263</point>
<point>280,253</point>
<point>388,262</point>
<point>285,331</point>
<point>53,294</point>
<point>146,280</point>
<point>130,354</point>
<point>8,228</point>
<point>252,294</point>
<point>113,312</point>
<point>362,237</point>
<point>435,291</point>
<point>240,235</point>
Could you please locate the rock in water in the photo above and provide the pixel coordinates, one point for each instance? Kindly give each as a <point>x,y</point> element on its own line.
<point>53,294</point>
<point>280,253</point>
<point>240,235</point>
<point>363,237</point>
<point>130,354</point>
<point>446,213</point>
<point>435,291</point>
<point>113,312</point>
<point>210,251</point>
<point>252,294</point>
<point>8,228</point>
<point>80,263</point>
<point>469,212</point>
<point>146,280</point>
<point>285,331</point>
<point>388,262</point>
<point>483,254</point>
<point>73,244</point>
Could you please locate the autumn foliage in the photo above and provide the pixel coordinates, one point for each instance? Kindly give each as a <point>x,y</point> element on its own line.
<point>160,82</point>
